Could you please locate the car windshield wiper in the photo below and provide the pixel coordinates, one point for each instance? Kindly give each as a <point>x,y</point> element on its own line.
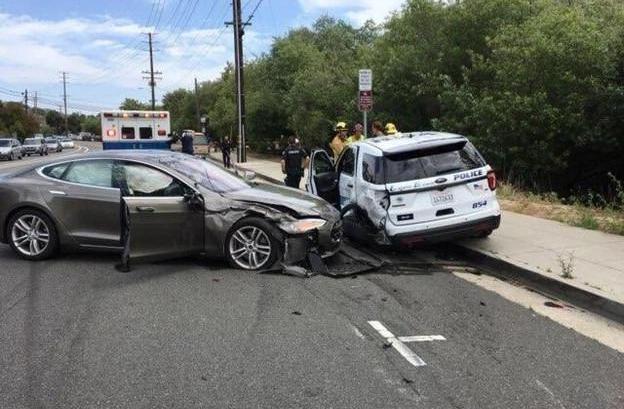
<point>449,170</point>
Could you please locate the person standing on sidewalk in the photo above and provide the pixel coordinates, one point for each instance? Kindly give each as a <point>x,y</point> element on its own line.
<point>357,134</point>
<point>377,129</point>
<point>187,143</point>
<point>226,149</point>
<point>294,160</point>
<point>339,142</point>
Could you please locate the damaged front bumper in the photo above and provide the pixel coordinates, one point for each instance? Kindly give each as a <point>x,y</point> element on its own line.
<point>324,242</point>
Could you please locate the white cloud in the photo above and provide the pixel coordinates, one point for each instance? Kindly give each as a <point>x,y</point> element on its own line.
<point>105,56</point>
<point>358,11</point>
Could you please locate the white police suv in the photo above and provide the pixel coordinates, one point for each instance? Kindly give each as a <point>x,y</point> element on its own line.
<point>409,189</point>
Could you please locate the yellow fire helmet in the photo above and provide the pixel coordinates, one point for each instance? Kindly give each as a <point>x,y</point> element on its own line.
<point>341,126</point>
<point>390,129</point>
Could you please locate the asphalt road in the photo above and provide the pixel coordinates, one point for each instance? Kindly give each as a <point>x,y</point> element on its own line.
<point>75,333</point>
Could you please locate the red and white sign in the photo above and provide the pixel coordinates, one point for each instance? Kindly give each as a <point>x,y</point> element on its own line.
<point>365,101</point>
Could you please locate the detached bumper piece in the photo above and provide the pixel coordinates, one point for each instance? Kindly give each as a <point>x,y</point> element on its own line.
<point>302,259</point>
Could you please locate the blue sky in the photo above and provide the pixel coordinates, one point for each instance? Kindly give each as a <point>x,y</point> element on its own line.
<point>100,44</point>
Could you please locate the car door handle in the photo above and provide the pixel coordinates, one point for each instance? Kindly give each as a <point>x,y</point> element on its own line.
<point>57,193</point>
<point>349,184</point>
<point>145,209</point>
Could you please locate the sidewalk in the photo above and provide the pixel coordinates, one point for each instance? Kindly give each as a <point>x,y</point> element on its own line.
<point>535,246</point>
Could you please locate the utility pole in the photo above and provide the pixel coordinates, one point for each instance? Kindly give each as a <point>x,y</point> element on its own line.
<point>25,94</point>
<point>152,74</point>
<point>65,101</point>
<point>199,124</point>
<point>35,101</point>
<point>239,31</point>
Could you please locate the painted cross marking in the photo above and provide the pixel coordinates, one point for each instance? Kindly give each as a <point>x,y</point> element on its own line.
<point>398,343</point>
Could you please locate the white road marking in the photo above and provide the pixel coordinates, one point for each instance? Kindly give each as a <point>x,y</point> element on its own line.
<point>357,331</point>
<point>422,338</point>
<point>552,395</point>
<point>399,346</point>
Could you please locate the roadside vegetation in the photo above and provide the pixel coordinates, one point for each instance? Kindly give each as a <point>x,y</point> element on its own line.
<point>575,211</point>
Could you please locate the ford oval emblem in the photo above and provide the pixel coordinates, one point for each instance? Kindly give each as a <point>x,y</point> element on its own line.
<point>440,180</point>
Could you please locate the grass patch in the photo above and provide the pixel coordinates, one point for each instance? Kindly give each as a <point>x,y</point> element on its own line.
<point>608,219</point>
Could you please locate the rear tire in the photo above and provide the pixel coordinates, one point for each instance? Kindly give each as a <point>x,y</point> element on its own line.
<point>28,226</point>
<point>251,244</point>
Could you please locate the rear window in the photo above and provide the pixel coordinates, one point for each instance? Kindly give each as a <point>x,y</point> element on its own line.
<point>5,142</point>
<point>428,163</point>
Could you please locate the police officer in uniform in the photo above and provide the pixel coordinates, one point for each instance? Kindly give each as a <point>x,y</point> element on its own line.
<point>294,160</point>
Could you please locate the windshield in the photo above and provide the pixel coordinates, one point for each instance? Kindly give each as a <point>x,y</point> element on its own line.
<point>205,174</point>
<point>32,141</point>
<point>4,142</point>
<point>421,164</point>
<point>50,140</point>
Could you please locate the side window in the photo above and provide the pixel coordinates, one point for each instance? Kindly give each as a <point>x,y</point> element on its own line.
<point>145,133</point>
<point>127,132</point>
<point>347,162</point>
<point>322,164</point>
<point>142,180</point>
<point>372,169</point>
<point>55,171</point>
<point>91,172</point>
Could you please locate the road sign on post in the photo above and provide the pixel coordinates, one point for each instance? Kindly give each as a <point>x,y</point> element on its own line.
<point>365,99</point>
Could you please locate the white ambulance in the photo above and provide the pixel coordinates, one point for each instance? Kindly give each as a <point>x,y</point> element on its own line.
<point>136,130</point>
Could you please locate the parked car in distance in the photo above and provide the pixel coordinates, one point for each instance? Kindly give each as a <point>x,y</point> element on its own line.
<point>10,149</point>
<point>173,204</point>
<point>35,146</point>
<point>410,189</point>
<point>66,143</point>
<point>54,145</point>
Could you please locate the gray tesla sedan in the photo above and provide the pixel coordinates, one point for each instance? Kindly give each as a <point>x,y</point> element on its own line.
<point>157,204</point>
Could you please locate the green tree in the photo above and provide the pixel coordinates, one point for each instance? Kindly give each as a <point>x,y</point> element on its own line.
<point>55,121</point>
<point>131,104</point>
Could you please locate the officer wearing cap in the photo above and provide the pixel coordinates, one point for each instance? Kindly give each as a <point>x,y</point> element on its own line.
<point>294,160</point>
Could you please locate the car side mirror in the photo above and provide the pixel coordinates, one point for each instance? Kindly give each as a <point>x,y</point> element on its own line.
<point>194,200</point>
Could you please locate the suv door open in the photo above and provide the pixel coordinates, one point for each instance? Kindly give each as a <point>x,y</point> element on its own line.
<point>164,217</point>
<point>322,177</point>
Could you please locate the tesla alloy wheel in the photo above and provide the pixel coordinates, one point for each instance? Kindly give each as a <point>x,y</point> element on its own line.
<point>32,235</point>
<point>250,245</point>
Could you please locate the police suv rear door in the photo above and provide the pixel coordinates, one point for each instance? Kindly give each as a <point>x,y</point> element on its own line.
<point>442,182</point>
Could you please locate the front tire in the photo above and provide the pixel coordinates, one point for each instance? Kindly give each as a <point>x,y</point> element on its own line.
<point>32,235</point>
<point>251,244</point>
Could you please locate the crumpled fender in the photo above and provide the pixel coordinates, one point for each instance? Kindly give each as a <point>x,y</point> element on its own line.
<point>369,203</point>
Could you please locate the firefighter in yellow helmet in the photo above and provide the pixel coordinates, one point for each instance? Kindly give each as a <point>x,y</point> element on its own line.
<point>390,129</point>
<point>339,142</point>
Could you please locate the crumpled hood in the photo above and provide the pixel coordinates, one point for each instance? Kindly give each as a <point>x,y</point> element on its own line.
<point>299,201</point>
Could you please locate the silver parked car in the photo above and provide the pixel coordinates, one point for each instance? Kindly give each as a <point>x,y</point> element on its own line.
<point>54,144</point>
<point>35,146</point>
<point>10,149</point>
<point>157,204</point>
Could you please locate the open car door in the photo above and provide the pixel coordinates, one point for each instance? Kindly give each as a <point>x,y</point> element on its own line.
<point>322,177</point>
<point>163,218</point>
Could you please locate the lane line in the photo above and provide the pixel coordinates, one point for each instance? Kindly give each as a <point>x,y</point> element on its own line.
<point>422,338</point>
<point>409,355</point>
<point>357,331</point>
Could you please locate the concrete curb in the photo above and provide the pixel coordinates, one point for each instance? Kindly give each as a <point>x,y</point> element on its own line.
<point>500,268</point>
<point>573,295</point>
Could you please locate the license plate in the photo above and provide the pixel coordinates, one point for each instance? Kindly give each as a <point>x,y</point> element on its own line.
<point>440,198</point>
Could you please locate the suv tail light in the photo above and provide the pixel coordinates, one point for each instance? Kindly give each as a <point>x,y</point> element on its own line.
<point>491,177</point>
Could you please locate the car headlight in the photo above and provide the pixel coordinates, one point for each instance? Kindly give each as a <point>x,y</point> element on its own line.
<point>302,226</point>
